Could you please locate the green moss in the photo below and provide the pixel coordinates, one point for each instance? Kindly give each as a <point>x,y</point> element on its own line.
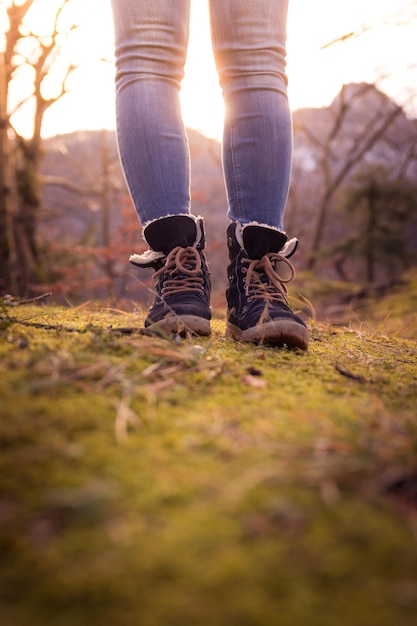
<point>162,483</point>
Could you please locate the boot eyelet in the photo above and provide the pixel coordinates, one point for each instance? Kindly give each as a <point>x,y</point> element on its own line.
<point>244,270</point>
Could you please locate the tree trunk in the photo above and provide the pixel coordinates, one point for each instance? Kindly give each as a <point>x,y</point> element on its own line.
<point>20,259</point>
<point>370,254</point>
<point>8,265</point>
<point>26,223</point>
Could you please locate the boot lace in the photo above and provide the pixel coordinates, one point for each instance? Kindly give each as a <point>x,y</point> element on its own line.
<point>183,272</point>
<point>263,280</point>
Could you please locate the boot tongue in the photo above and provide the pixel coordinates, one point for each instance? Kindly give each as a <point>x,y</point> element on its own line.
<point>166,233</point>
<point>258,240</point>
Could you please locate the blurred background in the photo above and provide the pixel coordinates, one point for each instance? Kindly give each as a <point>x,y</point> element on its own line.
<point>66,220</point>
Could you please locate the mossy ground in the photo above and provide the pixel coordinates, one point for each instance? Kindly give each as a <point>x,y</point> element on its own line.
<point>161,483</point>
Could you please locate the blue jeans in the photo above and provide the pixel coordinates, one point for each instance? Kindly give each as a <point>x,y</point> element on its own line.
<point>249,37</point>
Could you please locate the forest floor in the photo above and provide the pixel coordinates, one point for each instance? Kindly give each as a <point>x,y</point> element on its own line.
<point>147,482</point>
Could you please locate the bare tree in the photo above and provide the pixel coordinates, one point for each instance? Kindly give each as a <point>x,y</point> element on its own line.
<point>340,153</point>
<point>6,250</point>
<point>35,57</point>
<point>400,17</point>
<point>334,169</point>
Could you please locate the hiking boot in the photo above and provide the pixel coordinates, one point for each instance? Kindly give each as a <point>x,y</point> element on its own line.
<point>258,274</point>
<point>182,279</point>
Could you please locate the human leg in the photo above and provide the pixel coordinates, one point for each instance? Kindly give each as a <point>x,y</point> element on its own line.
<point>249,38</point>
<point>249,42</point>
<point>151,39</point>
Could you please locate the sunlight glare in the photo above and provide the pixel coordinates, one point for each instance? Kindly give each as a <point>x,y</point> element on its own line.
<point>201,99</point>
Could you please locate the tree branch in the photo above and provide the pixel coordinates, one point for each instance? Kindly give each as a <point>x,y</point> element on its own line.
<point>58,181</point>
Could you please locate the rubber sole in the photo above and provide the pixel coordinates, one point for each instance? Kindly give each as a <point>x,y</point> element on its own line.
<point>182,325</point>
<point>277,333</point>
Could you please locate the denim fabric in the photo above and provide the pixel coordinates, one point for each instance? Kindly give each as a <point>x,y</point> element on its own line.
<point>249,36</point>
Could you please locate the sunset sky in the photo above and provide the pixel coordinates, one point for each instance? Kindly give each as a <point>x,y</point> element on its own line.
<point>315,74</point>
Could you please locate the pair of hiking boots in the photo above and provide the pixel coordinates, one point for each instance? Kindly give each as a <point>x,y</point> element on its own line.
<point>258,274</point>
